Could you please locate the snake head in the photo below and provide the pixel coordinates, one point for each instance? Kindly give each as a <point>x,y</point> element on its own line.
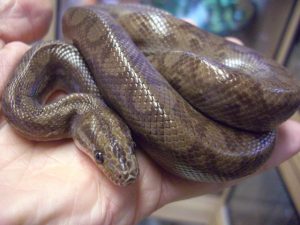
<point>107,140</point>
<point>117,161</point>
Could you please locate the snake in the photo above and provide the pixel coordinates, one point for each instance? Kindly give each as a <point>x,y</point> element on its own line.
<point>135,77</point>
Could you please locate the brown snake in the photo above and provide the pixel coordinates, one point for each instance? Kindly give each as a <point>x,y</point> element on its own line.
<point>138,56</point>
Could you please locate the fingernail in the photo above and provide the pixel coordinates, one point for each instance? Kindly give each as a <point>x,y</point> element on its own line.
<point>234,40</point>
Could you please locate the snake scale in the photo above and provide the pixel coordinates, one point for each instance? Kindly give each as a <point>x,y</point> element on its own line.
<point>201,107</point>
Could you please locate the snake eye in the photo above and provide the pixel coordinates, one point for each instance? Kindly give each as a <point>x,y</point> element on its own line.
<point>99,157</point>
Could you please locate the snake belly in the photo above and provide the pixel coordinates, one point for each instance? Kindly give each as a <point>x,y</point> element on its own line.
<point>202,108</point>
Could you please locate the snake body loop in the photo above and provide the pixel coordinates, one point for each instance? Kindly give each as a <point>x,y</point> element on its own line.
<point>218,126</point>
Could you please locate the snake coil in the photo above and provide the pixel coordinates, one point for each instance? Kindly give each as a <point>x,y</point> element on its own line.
<point>203,108</point>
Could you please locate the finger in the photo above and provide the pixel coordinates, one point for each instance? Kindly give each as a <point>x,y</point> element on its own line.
<point>24,20</point>
<point>1,44</point>
<point>287,144</point>
<point>10,56</point>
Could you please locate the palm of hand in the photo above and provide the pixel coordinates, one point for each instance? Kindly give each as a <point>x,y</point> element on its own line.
<point>54,178</point>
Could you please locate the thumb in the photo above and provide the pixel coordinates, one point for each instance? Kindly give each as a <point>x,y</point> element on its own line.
<point>24,20</point>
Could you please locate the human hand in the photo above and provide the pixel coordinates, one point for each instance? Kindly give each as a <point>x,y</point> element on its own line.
<point>53,182</point>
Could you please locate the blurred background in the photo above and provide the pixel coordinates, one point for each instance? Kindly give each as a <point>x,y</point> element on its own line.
<point>272,28</point>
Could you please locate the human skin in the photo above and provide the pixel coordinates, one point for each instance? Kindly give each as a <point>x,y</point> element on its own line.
<point>53,182</point>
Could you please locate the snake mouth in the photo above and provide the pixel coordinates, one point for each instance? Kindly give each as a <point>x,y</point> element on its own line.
<point>123,175</point>
<point>125,179</point>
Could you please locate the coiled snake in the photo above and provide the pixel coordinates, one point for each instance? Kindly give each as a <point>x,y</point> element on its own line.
<point>203,108</point>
